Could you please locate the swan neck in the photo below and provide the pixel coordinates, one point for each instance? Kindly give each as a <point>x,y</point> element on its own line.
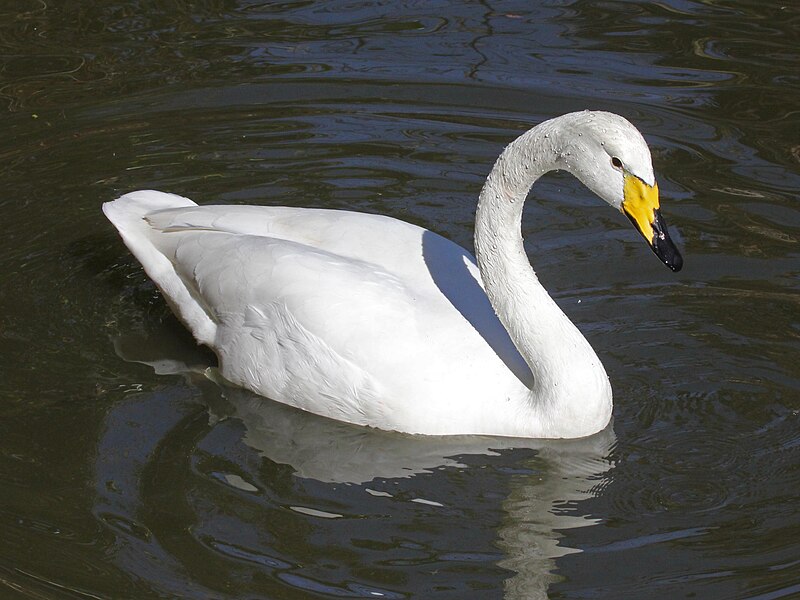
<point>561,361</point>
<point>513,289</point>
<point>500,205</point>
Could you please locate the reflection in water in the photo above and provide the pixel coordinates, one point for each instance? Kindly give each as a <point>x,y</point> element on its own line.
<point>539,508</point>
<point>170,437</point>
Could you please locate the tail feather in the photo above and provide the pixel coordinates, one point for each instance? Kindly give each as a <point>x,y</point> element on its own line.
<point>129,215</point>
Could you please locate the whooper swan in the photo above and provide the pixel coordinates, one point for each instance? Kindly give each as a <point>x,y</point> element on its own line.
<point>370,320</point>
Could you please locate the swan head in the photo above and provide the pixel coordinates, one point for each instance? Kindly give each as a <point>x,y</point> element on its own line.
<point>609,155</point>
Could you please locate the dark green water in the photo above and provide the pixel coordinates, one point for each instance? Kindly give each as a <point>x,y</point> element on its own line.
<point>118,480</point>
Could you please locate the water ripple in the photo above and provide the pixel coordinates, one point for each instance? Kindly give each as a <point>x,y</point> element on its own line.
<point>144,484</point>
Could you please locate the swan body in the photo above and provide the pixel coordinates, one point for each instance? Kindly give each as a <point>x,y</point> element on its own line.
<point>374,321</point>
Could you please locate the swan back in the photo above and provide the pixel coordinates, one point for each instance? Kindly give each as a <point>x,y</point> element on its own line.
<point>357,317</point>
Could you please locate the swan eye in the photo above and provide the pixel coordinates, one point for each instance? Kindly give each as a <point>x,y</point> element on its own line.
<point>616,163</point>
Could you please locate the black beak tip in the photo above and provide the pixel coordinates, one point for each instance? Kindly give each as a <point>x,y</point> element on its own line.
<point>663,246</point>
<point>665,250</point>
<point>677,262</point>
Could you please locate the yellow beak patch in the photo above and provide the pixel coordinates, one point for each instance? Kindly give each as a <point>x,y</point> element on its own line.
<point>639,205</point>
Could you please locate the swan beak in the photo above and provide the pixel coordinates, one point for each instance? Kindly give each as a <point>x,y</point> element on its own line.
<point>640,205</point>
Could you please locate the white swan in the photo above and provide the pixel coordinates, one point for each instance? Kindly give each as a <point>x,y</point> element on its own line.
<point>371,320</point>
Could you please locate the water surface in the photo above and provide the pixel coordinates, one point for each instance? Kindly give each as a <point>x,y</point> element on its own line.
<point>125,473</point>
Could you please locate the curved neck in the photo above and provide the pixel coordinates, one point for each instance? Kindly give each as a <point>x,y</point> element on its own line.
<point>560,359</point>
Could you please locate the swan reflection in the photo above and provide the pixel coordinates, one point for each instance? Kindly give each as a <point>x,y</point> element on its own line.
<point>535,481</point>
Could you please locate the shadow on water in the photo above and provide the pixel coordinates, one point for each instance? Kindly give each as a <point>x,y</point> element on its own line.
<point>231,460</point>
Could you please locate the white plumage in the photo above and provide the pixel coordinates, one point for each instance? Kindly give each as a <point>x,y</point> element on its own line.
<point>374,321</point>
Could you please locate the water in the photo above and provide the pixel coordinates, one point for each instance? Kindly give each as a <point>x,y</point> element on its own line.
<point>126,474</point>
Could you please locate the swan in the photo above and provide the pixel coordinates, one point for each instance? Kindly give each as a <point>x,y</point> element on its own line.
<point>371,320</point>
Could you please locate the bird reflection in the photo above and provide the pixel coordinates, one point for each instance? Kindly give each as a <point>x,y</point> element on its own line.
<point>542,495</point>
